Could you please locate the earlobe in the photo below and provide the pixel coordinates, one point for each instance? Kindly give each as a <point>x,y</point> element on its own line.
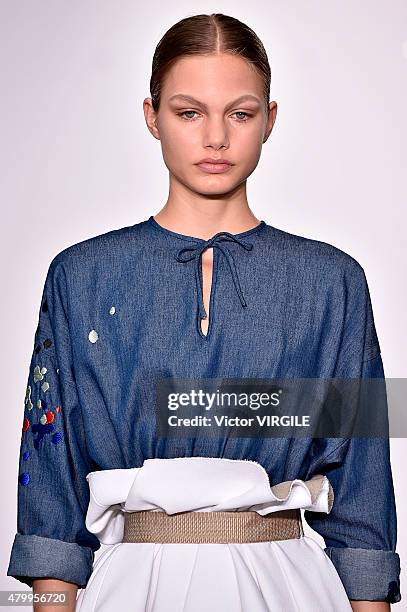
<point>273,113</point>
<point>151,118</point>
<point>155,131</point>
<point>270,120</point>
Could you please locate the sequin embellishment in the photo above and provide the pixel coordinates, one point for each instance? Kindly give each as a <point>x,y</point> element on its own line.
<point>46,426</point>
<point>93,336</point>
<point>27,399</point>
<point>48,417</point>
<point>39,373</point>
<point>24,479</point>
<point>57,437</point>
<point>112,310</point>
<point>41,430</point>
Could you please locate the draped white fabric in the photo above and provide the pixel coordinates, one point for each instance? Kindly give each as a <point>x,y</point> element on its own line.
<point>281,575</point>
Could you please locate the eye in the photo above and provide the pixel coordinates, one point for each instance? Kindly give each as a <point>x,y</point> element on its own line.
<point>242,113</point>
<point>187,118</point>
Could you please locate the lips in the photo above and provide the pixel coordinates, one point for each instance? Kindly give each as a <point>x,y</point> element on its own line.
<point>212,160</point>
<point>212,168</point>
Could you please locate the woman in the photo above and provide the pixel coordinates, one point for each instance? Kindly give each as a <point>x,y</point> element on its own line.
<point>201,291</point>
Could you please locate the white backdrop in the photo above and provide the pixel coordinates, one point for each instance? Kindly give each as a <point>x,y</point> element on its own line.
<point>77,159</point>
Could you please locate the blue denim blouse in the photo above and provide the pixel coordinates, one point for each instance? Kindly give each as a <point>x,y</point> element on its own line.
<point>121,310</point>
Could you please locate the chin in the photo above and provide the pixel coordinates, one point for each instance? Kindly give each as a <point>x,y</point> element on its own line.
<point>213,192</point>
<point>210,184</point>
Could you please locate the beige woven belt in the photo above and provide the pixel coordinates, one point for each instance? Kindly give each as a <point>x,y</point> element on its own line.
<point>207,527</point>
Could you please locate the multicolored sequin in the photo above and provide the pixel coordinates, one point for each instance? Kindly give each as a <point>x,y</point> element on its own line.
<point>46,425</point>
<point>42,429</point>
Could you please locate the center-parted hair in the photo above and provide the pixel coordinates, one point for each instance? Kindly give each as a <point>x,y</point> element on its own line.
<point>208,35</point>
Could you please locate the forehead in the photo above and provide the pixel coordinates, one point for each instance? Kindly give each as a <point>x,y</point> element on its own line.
<point>222,76</point>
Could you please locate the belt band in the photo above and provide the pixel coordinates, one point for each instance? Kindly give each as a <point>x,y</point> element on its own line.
<point>208,527</point>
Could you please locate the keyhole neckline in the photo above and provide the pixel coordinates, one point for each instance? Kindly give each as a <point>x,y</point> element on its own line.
<point>169,232</point>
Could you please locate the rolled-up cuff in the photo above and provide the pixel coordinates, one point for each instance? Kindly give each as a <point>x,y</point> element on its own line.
<point>34,556</point>
<point>368,574</point>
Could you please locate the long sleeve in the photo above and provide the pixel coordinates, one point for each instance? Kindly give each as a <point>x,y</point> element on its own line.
<point>360,532</point>
<point>52,540</point>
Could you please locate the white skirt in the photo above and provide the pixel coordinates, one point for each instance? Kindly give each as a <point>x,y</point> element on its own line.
<point>278,576</point>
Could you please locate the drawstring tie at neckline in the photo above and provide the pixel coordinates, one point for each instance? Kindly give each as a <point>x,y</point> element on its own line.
<point>196,254</point>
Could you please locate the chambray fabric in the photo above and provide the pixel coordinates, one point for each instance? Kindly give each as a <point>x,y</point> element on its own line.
<point>281,306</point>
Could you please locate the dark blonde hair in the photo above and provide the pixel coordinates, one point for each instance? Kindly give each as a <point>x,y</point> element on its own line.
<point>208,35</point>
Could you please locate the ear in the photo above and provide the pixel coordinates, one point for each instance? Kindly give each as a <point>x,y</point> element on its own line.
<point>151,117</point>
<point>272,114</point>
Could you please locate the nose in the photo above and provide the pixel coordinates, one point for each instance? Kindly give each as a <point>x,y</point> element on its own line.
<point>216,133</point>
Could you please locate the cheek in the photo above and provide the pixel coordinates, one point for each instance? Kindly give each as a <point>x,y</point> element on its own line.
<point>180,144</point>
<point>247,145</point>
<point>250,134</point>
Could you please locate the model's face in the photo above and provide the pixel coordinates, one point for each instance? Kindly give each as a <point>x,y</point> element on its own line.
<point>203,114</point>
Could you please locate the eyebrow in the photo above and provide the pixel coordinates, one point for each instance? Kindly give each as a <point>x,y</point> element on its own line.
<point>244,98</point>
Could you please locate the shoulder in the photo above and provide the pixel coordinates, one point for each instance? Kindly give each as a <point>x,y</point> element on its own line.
<point>314,257</point>
<point>102,250</point>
